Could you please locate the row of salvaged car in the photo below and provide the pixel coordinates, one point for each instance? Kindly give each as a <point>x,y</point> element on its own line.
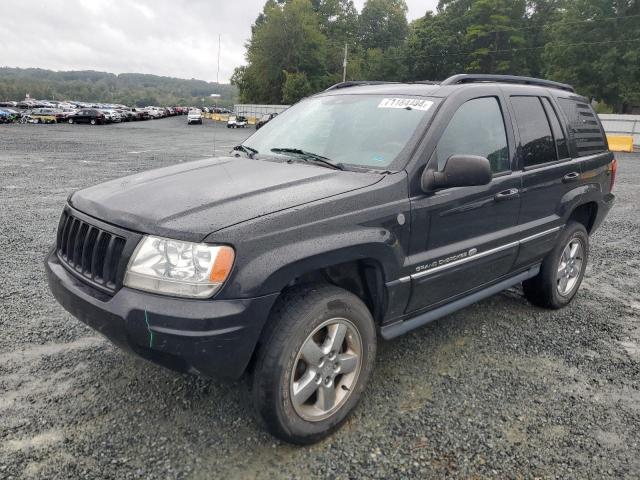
<point>94,114</point>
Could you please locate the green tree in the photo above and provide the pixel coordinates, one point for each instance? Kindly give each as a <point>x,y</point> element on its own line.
<point>339,24</point>
<point>126,88</point>
<point>434,47</point>
<point>493,33</point>
<point>296,86</point>
<point>287,39</point>
<point>383,24</point>
<point>595,46</point>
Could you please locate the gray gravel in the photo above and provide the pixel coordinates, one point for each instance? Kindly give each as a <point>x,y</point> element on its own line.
<point>499,390</point>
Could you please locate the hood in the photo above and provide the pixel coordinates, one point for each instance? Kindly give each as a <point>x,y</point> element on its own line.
<point>191,200</point>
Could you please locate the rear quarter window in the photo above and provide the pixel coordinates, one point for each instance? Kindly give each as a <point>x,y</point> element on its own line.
<point>584,128</point>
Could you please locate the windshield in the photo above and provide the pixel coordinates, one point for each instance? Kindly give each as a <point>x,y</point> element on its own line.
<point>363,130</point>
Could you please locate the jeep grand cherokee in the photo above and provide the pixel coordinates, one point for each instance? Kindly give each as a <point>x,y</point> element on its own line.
<point>358,214</point>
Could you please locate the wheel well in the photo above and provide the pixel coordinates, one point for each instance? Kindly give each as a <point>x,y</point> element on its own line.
<point>364,278</point>
<point>585,214</point>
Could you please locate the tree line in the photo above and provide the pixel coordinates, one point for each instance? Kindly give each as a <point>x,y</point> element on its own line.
<point>297,46</point>
<point>133,89</point>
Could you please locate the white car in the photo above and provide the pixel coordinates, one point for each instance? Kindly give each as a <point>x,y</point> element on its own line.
<point>237,122</point>
<point>111,116</point>
<point>154,112</point>
<point>194,116</point>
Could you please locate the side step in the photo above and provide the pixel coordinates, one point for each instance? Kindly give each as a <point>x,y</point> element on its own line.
<point>400,328</point>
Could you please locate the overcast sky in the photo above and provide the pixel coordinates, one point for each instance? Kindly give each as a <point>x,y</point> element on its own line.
<point>176,38</point>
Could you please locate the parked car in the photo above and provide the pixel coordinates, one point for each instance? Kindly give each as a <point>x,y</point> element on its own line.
<point>88,115</point>
<point>194,116</point>
<point>237,121</point>
<point>58,114</point>
<point>265,119</point>
<point>111,116</point>
<point>397,204</point>
<point>67,112</point>
<point>140,114</point>
<point>10,115</point>
<point>43,115</point>
<point>125,114</point>
<point>155,112</point>
<point>5,117</point>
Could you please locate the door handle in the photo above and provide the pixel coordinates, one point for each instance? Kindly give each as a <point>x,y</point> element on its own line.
<point>507,195</point>
<point>570,177</point>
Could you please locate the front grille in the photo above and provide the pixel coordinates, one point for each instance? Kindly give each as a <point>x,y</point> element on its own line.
<point>89,251</point>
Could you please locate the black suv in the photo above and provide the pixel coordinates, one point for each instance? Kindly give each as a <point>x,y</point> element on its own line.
<point>360,213</point>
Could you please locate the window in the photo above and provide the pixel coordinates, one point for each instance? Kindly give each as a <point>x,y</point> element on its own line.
<point>477,128</point>
<point>355,129</point>
<point>584,127</point>
<point>558,134</point>
<point>536,140</point>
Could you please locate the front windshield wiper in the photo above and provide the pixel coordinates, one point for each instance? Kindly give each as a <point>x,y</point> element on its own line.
<point>310,156</point>
<point>248,150</point>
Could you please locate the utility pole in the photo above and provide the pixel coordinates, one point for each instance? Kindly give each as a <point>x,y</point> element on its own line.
<point>344,64</point>
<point>218,74</point>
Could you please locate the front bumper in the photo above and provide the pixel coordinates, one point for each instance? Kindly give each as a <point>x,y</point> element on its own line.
<point>215,338</point>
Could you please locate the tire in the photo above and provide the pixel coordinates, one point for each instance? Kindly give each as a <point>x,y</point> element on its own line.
<point>70,121</point>
<point>93,121</point>
<point>561,274</point>
<point>312,314</point>
<point>37,121</point>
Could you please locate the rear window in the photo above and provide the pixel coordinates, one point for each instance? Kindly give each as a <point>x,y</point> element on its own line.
<point>584,128</point>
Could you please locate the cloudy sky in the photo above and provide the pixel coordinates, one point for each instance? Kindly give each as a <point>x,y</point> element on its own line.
<point>176,38</point>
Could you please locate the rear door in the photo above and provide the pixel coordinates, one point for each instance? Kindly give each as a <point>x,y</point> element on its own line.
<point>466,237</point>
<point>549,174</point>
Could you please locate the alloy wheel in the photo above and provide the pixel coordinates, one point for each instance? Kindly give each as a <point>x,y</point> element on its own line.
<point>326,369</point>
<point>570,267</point>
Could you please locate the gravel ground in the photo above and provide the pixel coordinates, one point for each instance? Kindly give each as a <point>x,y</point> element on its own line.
<point>499,390</point>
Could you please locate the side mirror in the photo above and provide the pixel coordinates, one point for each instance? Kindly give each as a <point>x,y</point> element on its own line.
<point>459,171</point>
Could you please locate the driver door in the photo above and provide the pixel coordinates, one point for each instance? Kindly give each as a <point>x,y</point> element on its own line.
<point>464,238</point>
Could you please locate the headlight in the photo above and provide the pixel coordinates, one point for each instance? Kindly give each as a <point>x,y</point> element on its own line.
<point>183,269</point>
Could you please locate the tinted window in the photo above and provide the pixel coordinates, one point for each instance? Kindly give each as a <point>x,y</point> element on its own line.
<point>536,141</point>
<point>584,127</point>
<point>558,134</point>
<point>477,128</point>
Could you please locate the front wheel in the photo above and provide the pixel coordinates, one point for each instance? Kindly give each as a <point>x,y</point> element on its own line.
<point>562,270</point>
<point>315,359</point>
<point>93,122</point>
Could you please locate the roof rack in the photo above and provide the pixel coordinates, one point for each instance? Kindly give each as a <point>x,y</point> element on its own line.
<point>477,78</point>
<point>355,83</point>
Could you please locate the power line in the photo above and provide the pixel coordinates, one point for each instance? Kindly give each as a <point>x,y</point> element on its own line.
<point>513,50</point>
<point>547,26</point>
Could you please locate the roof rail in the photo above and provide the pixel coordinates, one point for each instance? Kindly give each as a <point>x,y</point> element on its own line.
<point>477,78</point>
<point>355,83</point>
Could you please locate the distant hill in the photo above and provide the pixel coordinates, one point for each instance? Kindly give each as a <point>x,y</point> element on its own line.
<point>126,88</point>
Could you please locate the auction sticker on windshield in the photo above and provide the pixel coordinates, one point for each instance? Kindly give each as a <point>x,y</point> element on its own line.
<point>412,103</point>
